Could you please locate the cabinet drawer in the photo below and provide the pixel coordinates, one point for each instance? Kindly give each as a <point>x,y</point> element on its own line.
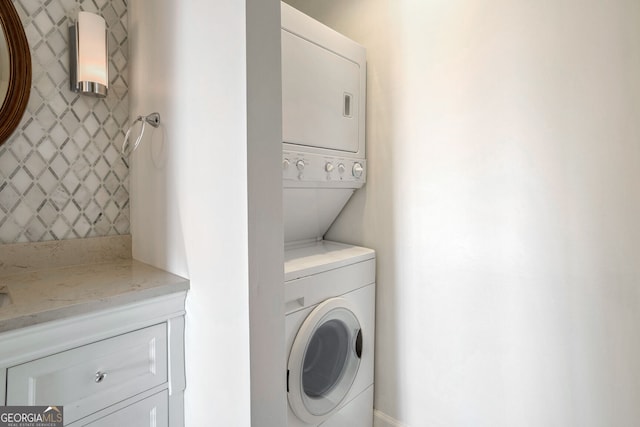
<point>131,363</point>
<point>150,412</point>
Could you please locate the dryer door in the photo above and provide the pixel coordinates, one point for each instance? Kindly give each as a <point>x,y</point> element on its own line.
<point>320,97</point>
<point>324,360</point>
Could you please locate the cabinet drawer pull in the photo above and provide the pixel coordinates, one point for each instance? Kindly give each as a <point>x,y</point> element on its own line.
<point>100,376</point>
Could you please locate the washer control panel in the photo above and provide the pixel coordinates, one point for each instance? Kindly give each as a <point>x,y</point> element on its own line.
<point>306,167</point>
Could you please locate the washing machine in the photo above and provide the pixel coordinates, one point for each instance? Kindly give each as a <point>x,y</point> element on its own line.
<point>330,329</point>
<point>329,286</point>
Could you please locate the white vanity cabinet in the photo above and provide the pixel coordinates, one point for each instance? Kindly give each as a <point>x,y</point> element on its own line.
<point>123,366</point>
<point>152,411</point>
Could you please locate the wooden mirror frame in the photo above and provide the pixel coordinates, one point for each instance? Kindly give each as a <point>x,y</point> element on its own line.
<point>17,96</point>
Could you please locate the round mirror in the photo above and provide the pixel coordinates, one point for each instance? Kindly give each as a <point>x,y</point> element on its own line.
<point>4,67</point>
<point>15,70</point>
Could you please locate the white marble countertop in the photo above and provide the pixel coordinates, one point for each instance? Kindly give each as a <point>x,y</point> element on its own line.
<point>57,293</point>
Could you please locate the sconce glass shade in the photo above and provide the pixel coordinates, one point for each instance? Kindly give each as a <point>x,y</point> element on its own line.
<point>88,62</point>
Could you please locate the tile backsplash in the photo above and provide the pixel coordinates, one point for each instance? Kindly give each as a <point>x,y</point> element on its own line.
<point>61,173</point>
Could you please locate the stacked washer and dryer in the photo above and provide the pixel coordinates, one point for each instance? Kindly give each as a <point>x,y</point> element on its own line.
<point>329,286</point>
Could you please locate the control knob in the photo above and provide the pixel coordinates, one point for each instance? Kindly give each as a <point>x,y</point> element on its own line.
<point>357,170</point>
<point>341,168</point>
<point>285,164</point>
<point>300,165</point>
<point>328,167</point>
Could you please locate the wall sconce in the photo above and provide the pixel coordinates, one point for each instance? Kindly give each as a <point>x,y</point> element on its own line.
<point>88,64</point>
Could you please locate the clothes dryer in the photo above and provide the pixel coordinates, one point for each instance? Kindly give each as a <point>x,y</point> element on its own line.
<point>330,328</point>
<point>323,124</point>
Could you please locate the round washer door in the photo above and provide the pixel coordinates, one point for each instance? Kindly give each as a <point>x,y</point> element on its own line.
<point>324,360</point>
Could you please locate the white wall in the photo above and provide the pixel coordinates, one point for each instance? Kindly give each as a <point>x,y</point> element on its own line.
<point>194,205</point>
<point>503,200</point>
<point>266,252</point>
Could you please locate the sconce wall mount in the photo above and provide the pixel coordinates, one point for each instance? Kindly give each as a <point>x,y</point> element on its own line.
<point>88,55</point>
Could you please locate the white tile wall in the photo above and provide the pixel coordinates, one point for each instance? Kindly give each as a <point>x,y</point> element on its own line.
<point>61,173</point>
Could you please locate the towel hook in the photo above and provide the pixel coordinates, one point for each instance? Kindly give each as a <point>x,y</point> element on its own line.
<point>152,119</point>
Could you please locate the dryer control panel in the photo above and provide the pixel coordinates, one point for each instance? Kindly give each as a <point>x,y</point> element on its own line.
<point>323,170</point>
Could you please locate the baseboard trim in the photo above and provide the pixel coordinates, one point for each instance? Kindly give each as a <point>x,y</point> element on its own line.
<point>380,419</point>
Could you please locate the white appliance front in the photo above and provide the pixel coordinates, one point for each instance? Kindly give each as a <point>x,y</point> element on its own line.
<point>315,189</point>
<point>309,212</point>
<point>324,360</point>
<point>330,357</point>
<point>357,413</point>
<point>323,124</point>
<point>329,287</point>
<point>330,327</point>
<point>323,88</point>
<point>320,94</point>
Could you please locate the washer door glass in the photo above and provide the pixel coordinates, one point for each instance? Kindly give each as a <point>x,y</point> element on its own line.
<point>324,360</point>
